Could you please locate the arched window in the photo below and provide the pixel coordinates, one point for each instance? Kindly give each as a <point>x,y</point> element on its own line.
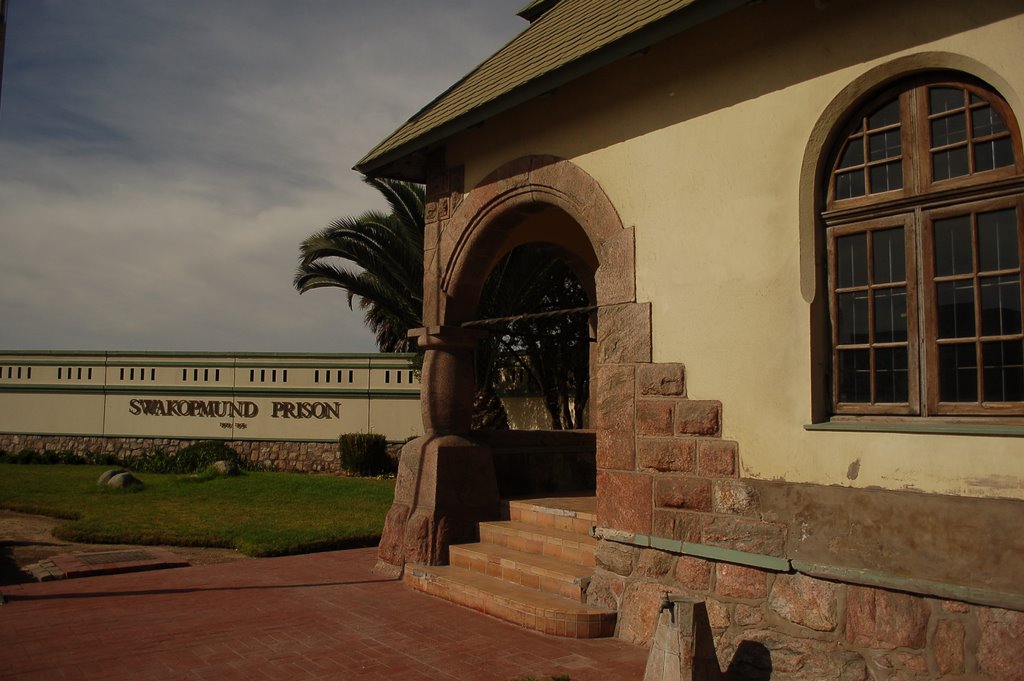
<point>924,216</point>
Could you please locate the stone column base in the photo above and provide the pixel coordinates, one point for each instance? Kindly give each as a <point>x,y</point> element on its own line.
<point>446,485</point>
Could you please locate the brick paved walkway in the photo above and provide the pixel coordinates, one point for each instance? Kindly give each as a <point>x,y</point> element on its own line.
<point>320,616</point>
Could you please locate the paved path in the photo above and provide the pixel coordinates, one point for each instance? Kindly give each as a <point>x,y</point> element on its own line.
<point>319,616</point>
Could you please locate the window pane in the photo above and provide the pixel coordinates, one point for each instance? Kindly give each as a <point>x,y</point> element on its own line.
<point>853,317</point>
<point>1000,305</point>
<point>951,163</point>
<point>955,300</point>
<point>945,99</point>
<point>997,240</point>
<point>949,130</point>
<point>890,315</point>
<point>958,373</point>
<point>889,255</point>
<point>854,375</point>
<point>852,260</point>
<point>891,375</point>
<point>849,185</point>
<point>885,178</point>
<point>993,154</point>
<point>953,246</point>
<point>986,121</point>
<point>854,153</point>
<point>889,114</point>
<point>884,145</point>
<point>1004,371</point>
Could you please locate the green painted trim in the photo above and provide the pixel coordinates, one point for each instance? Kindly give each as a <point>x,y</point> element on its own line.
<point>979,596</point>
<point>715,553</point>
<point>740,557</point>
<point>93,389</point>
<point>989,597</point>
<point>197,438</point>
<point>227,391</point>
<point>923,428</point>
<point>161,353</point>
<point>74,362</point>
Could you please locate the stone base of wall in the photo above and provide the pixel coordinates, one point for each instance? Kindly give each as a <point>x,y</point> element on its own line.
<point>793,627</point>
<point>299,457</point>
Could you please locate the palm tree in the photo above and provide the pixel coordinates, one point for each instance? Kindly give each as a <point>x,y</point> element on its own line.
<point>386,249</point>
<point>378,257</point>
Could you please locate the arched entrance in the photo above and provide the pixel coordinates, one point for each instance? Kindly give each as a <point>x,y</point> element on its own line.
<point>446,481</point>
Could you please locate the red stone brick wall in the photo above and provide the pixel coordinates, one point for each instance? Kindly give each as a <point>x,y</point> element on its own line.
<point>300,457</point>
<point>663,467</point>
<point>812,629</point>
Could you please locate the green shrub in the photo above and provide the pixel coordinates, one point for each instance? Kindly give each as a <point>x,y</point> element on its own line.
<point>364,454</point>
<point>194,458</point>
<point>26,456</point>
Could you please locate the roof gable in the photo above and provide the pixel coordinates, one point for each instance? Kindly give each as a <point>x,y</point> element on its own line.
<point>570,39</point>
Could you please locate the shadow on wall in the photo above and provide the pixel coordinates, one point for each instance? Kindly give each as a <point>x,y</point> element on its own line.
<point>752,662</point>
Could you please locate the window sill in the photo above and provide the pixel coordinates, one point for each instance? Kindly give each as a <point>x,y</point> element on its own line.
<point>922,428</point>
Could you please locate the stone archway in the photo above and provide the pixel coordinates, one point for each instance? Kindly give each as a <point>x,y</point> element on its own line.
<point>446,478</point>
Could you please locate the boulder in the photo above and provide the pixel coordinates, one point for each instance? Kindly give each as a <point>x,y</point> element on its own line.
<point>225,467</point>
<point>124,480</point>
<point>107,475</point>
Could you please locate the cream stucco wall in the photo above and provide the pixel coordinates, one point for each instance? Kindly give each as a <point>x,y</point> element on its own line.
<point>203,395</point>
<point>700,145</point>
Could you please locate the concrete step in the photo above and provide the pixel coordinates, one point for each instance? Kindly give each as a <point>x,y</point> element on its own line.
<point>572,514</point>
<point>549,575</point>
<point>573,547</point>
<point>513,603</point>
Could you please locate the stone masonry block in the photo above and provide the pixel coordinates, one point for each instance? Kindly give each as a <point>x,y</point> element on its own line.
<point>698,417</point>
<point>613,400</point>
<point>676,455</point>
<point>740,581</point>
<point>948,645</point>
<point>615,279</point>
<point>639,612</point>
<point>624,501</point>
<point>717,458</point>
<point>660,379</point>
<point>616,450</point>
<point>803,600</point>
<point>745,534</point>
<point>999,650</point>
<point>733,496</point>
<point>694,573</point>
<point>624,333</point>
<point>876,618</point>
<point>654,417</point>
<point>676,491</point>
<point>613,397</point>
<point>617,558</point>
<point>682,525</point>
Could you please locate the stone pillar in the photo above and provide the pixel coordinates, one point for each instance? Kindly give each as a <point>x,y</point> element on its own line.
<point>683,648</point>
<point>446,399</point>
<point>446,482</point>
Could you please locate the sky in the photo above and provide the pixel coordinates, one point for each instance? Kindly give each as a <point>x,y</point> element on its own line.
<point>160,162</point>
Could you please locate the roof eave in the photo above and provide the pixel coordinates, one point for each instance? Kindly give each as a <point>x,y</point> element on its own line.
<point>413,152</point>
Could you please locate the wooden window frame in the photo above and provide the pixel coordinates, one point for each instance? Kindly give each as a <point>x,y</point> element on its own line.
<point>930,317</point>
<point>911,281</point>
<point>916,206</point>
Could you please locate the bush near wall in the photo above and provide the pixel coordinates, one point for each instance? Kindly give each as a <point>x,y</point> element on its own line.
<point>192,458</point>
<point>364,454</point>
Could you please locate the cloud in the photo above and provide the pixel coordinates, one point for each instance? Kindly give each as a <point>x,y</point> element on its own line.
<point>162,161</point>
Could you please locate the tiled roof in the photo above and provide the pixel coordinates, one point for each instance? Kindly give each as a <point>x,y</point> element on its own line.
<point>571,38</point>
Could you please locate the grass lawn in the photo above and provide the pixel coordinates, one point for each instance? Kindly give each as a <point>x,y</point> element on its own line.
<point>260,514</point>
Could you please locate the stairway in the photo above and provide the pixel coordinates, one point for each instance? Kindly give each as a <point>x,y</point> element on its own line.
<point>532,570</point>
